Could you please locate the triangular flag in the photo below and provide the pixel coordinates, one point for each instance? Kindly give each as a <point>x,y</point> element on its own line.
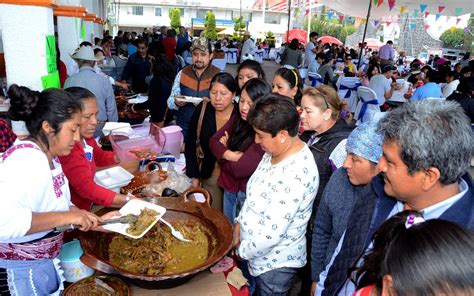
<point>426,14</point>
<point>452,29</point>
<point>364,21</point>
<point>426,27</point>
<point>83,30</point>
<point>391,4</point>
<point>376,23</point>
<point>330,14</point>
<point>458,20</point>
<point>423,7</point>
<point>412,27</point>
<point>438,16</point>
<point>379,2</point>
<point>388,23</point>
<point>375,2</point>
<point>306,12</point>
<point>341,17</point>
<point>402,9</point>
<point>440,9</point>
<point>415,13</point>
<point>457,11</point>
<point>357,21</point>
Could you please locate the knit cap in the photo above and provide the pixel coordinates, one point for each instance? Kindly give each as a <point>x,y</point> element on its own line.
<point>366,141</point>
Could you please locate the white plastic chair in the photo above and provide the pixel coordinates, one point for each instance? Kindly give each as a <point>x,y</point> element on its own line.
<point>315,79</point>
<point>220,63</point>
<point>368,105</point>
<point>259,55</point>
<point>303,73</point>
<point>231,56</point>
<point>347,91</point>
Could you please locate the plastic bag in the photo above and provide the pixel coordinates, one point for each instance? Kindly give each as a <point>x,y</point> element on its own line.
<point>176,181</point>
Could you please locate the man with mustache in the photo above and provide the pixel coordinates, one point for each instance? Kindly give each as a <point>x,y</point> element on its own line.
<point>426,157</point>
<point>194,81</point>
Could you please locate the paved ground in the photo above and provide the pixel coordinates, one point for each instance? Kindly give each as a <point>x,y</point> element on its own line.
<point>269,67</point>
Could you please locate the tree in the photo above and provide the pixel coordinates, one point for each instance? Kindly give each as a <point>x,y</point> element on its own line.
<point>175,18</point>
<point>210,25</point>
<point>239,28</point>
<point>453,38</point>
<point>469,39</point>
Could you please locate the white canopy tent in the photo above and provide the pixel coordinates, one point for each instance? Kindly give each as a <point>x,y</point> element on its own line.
<point>358,8</point>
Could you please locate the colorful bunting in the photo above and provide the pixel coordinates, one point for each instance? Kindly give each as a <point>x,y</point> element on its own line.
<point>388,23</point>
<point>376,23</point>
<point>438,16</point>
<point>426,14</point>
<point>357,21</point>
<point>341,17</point>
<point>423,7</point>
<point>415,13</point>
<point>391,4</point>
<point>440,9</point>
<point>457,11</point>
<point>426,27</point>
<point>458,20</point>
<point>402,9</point>
<point>375,2</point>
<point>330,15</point>
<point>412,27</point>
<point>379,2</point>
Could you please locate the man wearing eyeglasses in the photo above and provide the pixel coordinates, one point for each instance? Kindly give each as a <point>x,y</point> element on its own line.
<point>138,67</point>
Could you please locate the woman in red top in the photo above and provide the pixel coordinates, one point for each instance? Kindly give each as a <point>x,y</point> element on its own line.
<point>234,147</point>
<point>169,44</point>
<point>80,165</point>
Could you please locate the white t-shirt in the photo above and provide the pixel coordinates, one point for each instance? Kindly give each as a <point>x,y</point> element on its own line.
<point>27,185</point>
<point>380,85</point>
<point>276,212</point>
<point>310,55</point>
<point>449,88</point>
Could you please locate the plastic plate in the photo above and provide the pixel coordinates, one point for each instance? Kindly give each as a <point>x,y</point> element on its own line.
<point>134,207</point>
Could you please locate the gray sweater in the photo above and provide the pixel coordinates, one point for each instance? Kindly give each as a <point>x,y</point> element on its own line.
<point>291,57</point>
<point>333,213</point>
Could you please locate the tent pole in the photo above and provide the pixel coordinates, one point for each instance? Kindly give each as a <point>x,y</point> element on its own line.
<point>365,32</point>
<point>289,17</point>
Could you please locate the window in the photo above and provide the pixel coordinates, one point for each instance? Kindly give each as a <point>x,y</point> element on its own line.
<point>201,13</point>
<point>157,11</point>
<point>247,16</point>
<point>181,11</point>
<point>272,18</point>
<point>135,10</point>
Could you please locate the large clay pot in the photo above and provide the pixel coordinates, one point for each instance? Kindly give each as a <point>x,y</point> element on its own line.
<point>183,208</point>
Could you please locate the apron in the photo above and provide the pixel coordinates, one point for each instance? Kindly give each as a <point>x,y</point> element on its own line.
<point>32,268</point>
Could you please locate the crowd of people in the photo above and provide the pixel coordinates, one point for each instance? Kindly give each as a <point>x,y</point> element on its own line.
<point>385,207</point>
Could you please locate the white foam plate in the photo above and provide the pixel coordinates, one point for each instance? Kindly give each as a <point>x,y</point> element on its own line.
<point>113,177</point>
<point>113,125</point>
<point>188,99</point>
<point>134,207</point>
<point>138,100</point>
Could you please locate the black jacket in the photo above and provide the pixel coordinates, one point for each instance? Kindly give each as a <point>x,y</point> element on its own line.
<point>208,129</point>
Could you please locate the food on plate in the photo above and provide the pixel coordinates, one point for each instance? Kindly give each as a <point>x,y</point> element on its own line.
<point>145,219</point>
<point>159,253</point>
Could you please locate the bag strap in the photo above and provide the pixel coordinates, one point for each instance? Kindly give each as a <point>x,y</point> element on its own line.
<point>201,118</point>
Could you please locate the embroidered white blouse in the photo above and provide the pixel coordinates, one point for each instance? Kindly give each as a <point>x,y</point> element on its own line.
<point>27,185</point>
<point>276,212</point>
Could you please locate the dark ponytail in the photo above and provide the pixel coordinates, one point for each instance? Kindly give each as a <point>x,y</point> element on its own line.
<point>22,102</point>
<point>52,105</point>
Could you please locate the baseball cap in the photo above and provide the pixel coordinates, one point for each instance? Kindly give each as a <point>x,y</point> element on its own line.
<point>202,44</point>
